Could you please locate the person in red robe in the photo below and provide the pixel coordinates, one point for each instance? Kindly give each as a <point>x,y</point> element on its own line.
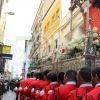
<point>45,93</point>
<point>94,14</point>
<point>52,95</point>
<point>70,84</point>
<point>42,84</point>
<point>22,86</point>
<point>35,85</point>
<point>95,93</point>
<point>84,83</point>
<point>32,79</point>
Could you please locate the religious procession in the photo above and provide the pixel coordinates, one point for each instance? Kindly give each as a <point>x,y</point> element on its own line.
<point>48,85</point>
<point>81,84</point>
<point>64,55</point>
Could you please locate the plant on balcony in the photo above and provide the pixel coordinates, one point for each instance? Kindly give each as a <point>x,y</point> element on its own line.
<point>75,46</point>
<point>50,58</point>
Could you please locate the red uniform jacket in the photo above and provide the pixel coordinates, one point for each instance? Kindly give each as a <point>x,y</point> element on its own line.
<point>94,94</point>
<point>48,91</point>
<point>63,91</point>
<point>34,85</point>
<point>27,91</point>
<point>23,84</point>
<point>80,92</point>
<point>40,86</point>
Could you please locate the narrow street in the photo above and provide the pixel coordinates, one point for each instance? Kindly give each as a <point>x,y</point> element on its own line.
<point>9,96</point>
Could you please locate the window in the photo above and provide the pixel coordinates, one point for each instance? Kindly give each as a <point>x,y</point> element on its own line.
<point>47,26</point>
<point>34,44</point>
<point>55,44</point>
<point>67,38</point>
<point>38,38</point>
<point>57,14</point>
<point>49,48</point>
<point>44,29</point>
<point>36,57</point>
<point>53,18</point>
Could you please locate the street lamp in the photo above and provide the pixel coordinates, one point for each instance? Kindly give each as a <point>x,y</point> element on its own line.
<point>10,13</point>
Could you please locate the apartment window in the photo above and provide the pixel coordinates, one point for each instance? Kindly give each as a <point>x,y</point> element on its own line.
<point>49,48</point>
<point>47,26</point>
<point>44,29</point>
<point>67,38</point>
<point>56,44</point>
<point>34,44</point>
<point>36,57</point>
<point>38,38</point>
<point>57,14</point>
<point>53,18</point>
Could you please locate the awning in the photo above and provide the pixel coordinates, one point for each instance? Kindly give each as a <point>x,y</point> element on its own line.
<point>6,56</point>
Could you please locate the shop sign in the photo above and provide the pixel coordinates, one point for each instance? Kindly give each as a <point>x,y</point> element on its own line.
<point>6,49</point>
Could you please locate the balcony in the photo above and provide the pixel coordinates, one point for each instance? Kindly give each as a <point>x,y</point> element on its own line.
<point>37,30</point>
<point>40,29</point>
<point>33,37</point>
<point>40,23</point>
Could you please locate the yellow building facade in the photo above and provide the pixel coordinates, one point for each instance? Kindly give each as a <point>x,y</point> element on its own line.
<point>51,31</point>
<point>38,36</point>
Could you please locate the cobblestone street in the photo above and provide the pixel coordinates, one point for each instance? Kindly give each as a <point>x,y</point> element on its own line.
<point>9,96</point>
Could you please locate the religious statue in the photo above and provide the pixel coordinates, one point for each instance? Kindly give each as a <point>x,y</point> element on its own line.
<point>94,14</point>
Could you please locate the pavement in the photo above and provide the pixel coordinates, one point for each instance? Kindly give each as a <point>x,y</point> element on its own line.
<point>9,96</point>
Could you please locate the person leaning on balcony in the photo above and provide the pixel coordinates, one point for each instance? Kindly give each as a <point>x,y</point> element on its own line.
<point>95,93</point>
<point>84,83</point>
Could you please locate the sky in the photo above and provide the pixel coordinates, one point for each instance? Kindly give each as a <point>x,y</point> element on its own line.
<point>19,26</point>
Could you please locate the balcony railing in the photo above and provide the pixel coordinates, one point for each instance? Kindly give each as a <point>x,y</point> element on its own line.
<point>40,23</point>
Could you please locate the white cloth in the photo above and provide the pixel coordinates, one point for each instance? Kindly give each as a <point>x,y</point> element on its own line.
<point>84,85</point>
<point>20,88</point>
<point>37,91</point>
<point>15,88</point>
<point>32,90</point>
<point>71,82</point>
<point>97,85</point>
<point>54,83</point>
<point>42,92</point>
<point>61,84</point>
<point>50,91</point>
<point>26,88</point>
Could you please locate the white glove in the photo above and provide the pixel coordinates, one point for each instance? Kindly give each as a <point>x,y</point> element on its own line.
<point>20,88</point>
<point>37,91</point>
<point>50,91</point>
<point>32,90</point>
<point>15,88</point>
<point>42,92</point>
<point>26,88</point>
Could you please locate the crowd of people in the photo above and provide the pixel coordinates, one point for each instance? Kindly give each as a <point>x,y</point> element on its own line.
<point>4,87</point>
<point>47,85</point>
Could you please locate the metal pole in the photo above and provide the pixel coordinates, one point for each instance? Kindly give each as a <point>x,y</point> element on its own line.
<point>89,48</point>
